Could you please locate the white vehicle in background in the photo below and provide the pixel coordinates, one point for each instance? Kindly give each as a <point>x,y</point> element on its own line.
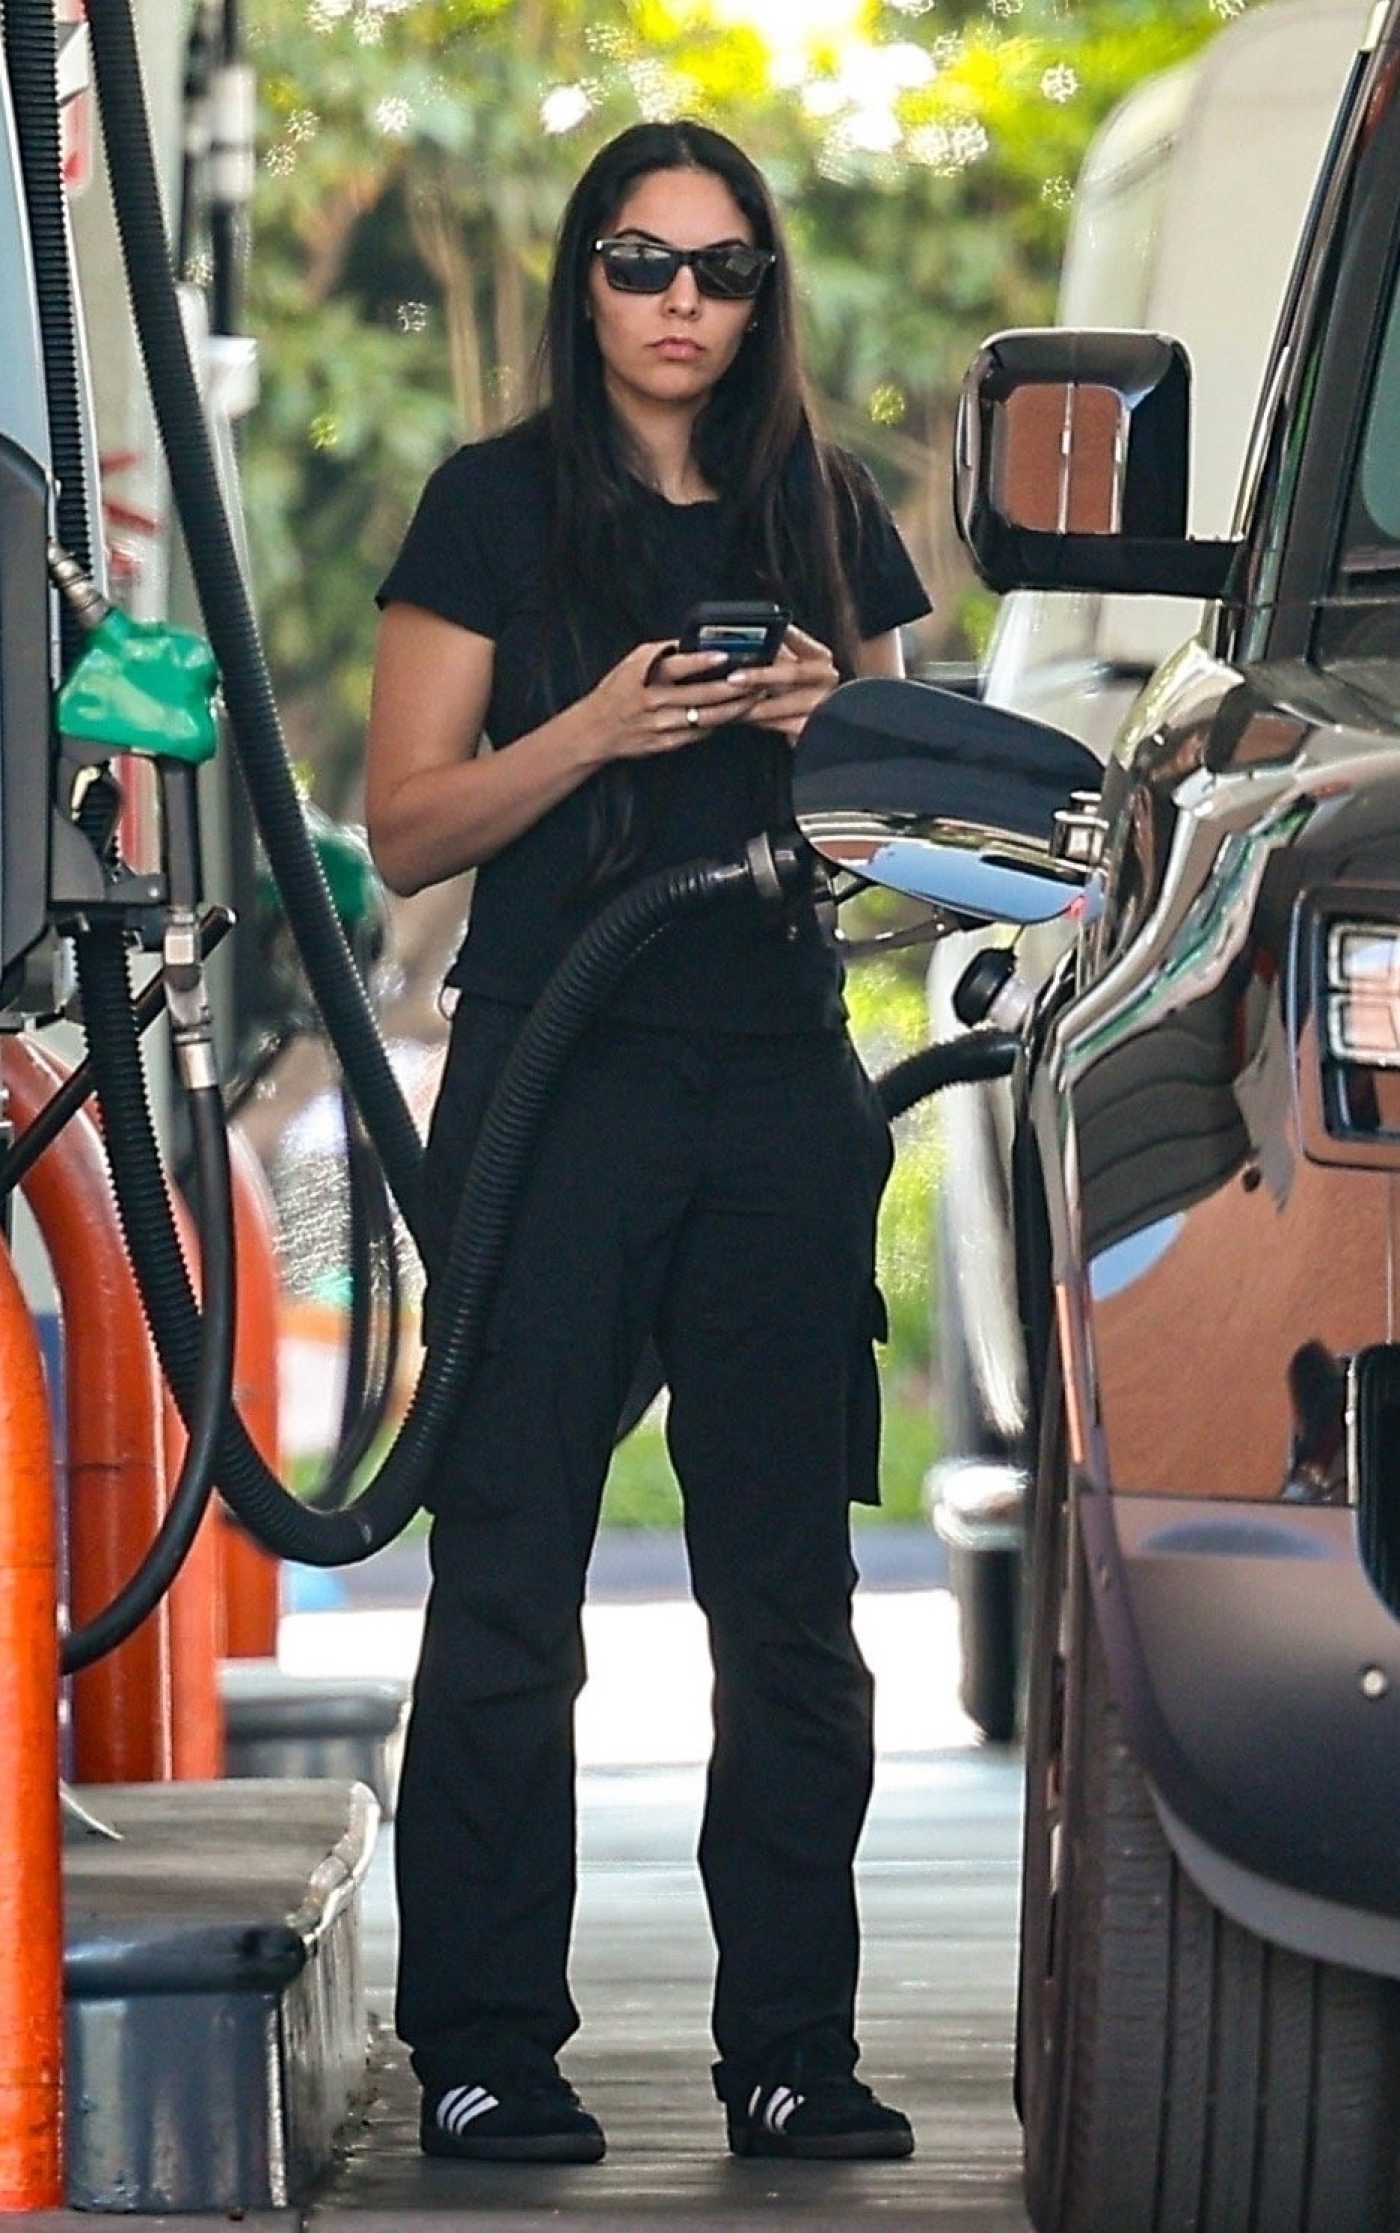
<point>1186,218</point>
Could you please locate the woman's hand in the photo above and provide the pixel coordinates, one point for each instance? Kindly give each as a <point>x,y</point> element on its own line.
<point>802,675</point>
<point>658,698</point>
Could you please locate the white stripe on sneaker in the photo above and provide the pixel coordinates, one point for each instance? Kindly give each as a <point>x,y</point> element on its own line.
<point>450,2101</point>
<point>776,2098</point>
<point>463,2099</point>
<point>465,2116</point>
<point>780,2116</point>
<point>472,2094</point>
<point>754,2099</point>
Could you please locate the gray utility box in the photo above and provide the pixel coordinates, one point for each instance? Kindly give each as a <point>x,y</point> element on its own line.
<point>351,1729</point>
<point>216,2027</point>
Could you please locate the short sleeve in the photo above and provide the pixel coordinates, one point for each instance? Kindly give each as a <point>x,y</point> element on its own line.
<point>445,563</point>
<point>884,580</point>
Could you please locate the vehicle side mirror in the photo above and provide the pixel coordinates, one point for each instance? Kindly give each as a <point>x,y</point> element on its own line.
<point>953,802</point>
<point>1072,465</point>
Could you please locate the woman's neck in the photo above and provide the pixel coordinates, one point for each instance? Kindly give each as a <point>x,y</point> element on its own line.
<point>659,435</point>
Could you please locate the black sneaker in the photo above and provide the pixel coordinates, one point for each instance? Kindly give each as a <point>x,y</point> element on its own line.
<point>535,2118</point>
<point>802,2104</point>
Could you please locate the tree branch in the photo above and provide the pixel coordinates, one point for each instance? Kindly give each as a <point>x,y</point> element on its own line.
<point>328,230</point>
<point>439,243</point>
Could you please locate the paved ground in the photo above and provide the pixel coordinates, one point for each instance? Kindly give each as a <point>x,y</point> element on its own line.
<point>938,1897</point>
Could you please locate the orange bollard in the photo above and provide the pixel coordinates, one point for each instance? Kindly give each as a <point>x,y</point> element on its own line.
<point>116,1471</point>
<point>196,1596</point>
<point>252,1575</point>
<point>193,1608</point>
<point>31,1918</point>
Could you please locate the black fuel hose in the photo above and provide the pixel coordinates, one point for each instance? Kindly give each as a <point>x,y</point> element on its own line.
<point>212,1393</point>
<point>226,226</point>
<point>224,601</point>
<point>573,998</point>
<point>969,1060</point>
<point>31,59</point>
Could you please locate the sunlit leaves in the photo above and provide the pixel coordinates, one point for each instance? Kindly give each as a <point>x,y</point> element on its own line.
<point>416,155</point>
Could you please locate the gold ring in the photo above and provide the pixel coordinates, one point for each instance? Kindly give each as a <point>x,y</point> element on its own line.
<point>692,715</point>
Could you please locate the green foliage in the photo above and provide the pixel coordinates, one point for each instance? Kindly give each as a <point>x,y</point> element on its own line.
<point>977,612</point>
<point>908,1447</point>
<point>642,1490</point>
<point>409,191</point>
<point>889,1021</point>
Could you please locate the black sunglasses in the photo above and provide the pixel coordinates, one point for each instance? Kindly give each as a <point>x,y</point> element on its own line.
<point>732,272</point>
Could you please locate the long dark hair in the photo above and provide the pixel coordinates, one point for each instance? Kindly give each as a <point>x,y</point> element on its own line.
<point>790,501</point>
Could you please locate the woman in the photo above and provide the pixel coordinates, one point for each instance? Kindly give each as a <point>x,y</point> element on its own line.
<point>709,1174</point>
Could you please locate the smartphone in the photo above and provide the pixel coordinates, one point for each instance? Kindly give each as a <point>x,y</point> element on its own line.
<point>749,634</point>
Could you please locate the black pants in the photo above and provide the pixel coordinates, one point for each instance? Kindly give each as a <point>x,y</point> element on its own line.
<point>720,1191</point>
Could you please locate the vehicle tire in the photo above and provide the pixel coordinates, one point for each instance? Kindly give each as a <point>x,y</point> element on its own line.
<point>1175,2073</point>
<point>986,1586</point>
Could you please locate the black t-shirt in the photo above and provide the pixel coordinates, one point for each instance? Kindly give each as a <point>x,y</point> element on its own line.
<point>475,553</point>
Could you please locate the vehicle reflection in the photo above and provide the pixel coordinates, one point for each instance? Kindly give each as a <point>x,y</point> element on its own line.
<point>1211,1236</point>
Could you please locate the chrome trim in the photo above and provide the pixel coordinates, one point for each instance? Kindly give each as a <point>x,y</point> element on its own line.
<point>977,1504</point>
<point>1229,825</point>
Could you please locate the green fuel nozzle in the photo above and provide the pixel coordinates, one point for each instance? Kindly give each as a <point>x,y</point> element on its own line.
<point>141,685</point>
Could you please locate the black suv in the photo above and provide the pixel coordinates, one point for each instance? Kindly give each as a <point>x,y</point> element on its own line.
<point>1206,1192</point>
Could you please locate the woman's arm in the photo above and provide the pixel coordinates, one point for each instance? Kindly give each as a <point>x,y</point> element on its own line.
<point>432,807</point>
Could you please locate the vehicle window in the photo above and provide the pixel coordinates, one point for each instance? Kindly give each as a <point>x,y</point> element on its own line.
<point>1264,512</point>
<point>1378,489</point>
<point>1357,635</point>
<point>1277,483</point>
<point>1358,632</point>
